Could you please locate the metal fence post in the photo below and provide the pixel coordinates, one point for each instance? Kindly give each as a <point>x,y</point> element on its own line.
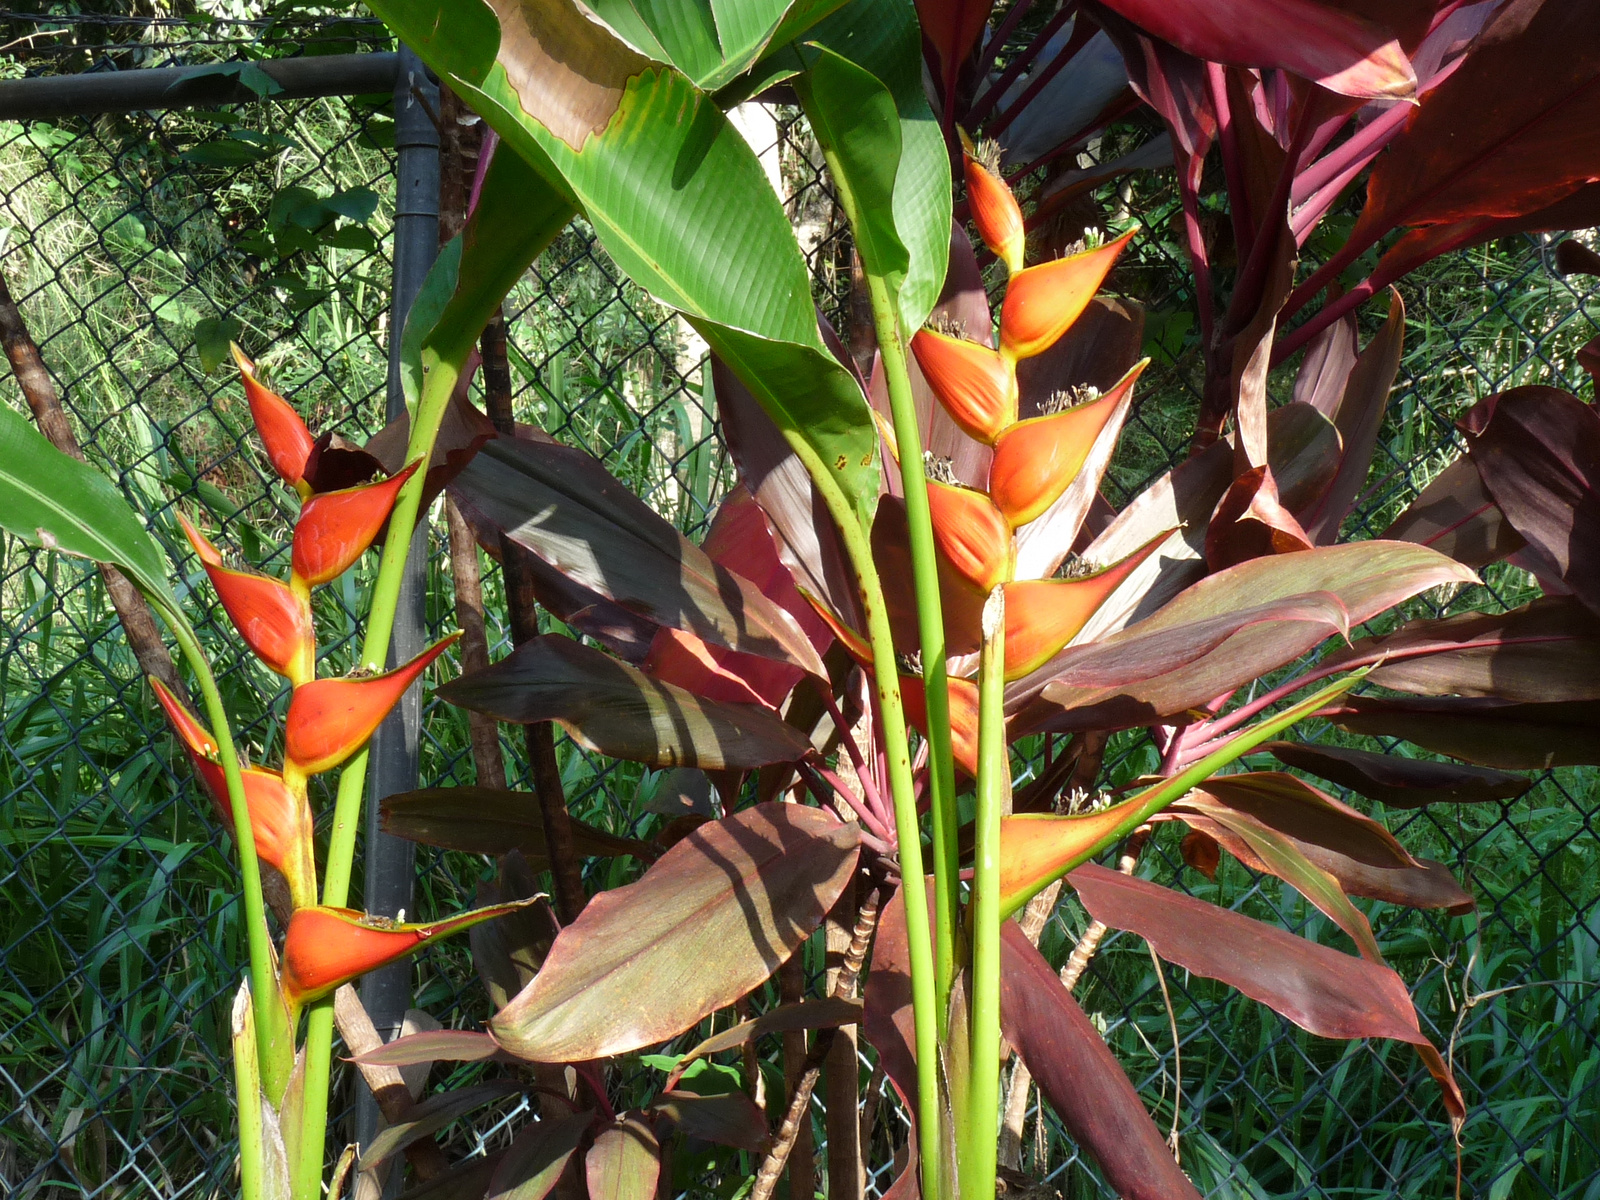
<point>390,862</point>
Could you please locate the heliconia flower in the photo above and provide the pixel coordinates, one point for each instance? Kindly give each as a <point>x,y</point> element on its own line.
<point>280,818</point>
<point>272,619</point>
<point>326,947</point>
<point>972,533</point>
<point>1042,302</point>
<point>1043,615</point>
<point>1037,459</point>
<point>1036,848</point>
<point>976,385</point>
<point>994,209</point>
<point>283,434</point>
<point>335,528</point>
<point>330,719</point>
<point>963,717</point>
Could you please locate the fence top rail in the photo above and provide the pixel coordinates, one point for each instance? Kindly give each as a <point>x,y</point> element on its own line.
<point>188,87</point>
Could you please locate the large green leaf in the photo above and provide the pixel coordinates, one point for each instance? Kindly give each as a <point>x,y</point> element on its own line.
<point>51,499</point>
<point>518,214</point>
<point>707,923</point>
<point>676,196</point>
<point>882,40</point>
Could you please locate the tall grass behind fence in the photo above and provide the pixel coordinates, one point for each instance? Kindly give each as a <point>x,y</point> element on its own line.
<point>138,245</point>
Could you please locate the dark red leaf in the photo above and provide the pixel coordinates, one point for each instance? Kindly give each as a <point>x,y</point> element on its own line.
<point>1323,991</point>
<point>1359,853</point>
<point>1251,522</point>
<point>1455,515</point>
<point>1543,652</point>
<point>1396,781</point>
<point>728,1118</point>
<point>886,1018</point>
<point>1344,52</point>
<point>625,1161</point>
<point>1080,1076</point>
<point>709,921</point>
<point>566,508</point>
<point>1201,852</point>
<point>618,710</point>
<point>533,1163</point>
<point>1492,733</point>
<point>492,821</point>
<point>1538,450</point>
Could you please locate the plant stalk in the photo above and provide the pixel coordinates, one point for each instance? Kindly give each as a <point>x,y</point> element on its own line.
<point>902,792</point>
<point>438,384</point>
<point>274,1038</point>
<point>930,622</point>
<point>979,1143</point>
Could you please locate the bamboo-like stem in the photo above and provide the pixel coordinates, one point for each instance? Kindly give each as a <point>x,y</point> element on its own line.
<point>978,1140</point>
<point>274,1037</point>
<point>930,624</point>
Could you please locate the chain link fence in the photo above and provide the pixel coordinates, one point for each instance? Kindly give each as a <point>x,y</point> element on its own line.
<point>138,244</point>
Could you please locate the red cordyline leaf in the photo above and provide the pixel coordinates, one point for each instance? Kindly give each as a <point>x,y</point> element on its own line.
<point>952,27</point>
<point>1251,522</point>
<point>330,719</point>
<point>283,434</point>
<point>1343,52</point>
<point>1043,301</point>
<point>326,947</point>
<point>335,528</point>
<point>280,819</point>
<point>1037,459</point>
<point>273,621</point>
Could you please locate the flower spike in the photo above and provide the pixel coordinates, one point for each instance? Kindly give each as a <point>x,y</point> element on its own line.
<point>330,719</point>
<point>994,207</point>
<point>326,947</point>
<point>1043,615</point>
<point>283,434</point>
<point>1037,459</point>
<point>273,621</point>
<point>972,533</point>
<point>1042,302</point>
<point>335,528</point>
<point>976,385</point>
<point>280,819</point>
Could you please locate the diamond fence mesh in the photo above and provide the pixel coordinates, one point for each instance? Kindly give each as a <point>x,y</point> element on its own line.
<point>137,245</point>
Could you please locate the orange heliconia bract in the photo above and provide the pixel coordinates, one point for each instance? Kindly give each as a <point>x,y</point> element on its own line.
<point>280,819</point>
<point>1042,302</point>
<point>325,947</point>
<point>963,717</point>
<point>996,214</point>
<point>976,385</point>
<point>1043,615</point>
<point>273,621</point>
<point>330,719</point>
<point>972,534</point>
<point>283,434</point>
<point>335,528</point>
<point>1037,459</point>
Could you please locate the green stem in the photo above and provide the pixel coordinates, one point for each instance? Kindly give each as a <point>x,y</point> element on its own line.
<point>438,384</point>
<point>980,1138</point>
<point>274,1038</point>
<point>930,623</point>
<point>908,834</point>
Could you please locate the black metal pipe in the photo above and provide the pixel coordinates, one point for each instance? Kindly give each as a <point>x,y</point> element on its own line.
<point>188,87</point>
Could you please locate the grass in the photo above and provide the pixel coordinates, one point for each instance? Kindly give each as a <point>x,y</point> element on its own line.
<point>118,931</point>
